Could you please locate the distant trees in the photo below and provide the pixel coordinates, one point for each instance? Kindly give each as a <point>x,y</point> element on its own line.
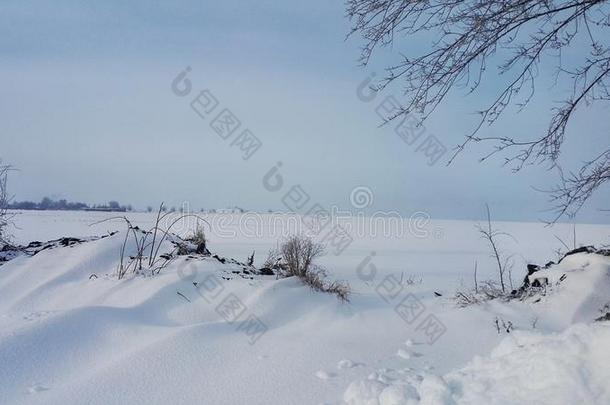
<point>25,205</point>
<point>64,205</point>
<point>468,37</point>
<point>48,204</point>
<point>45,204</point>
<point>114,205</point>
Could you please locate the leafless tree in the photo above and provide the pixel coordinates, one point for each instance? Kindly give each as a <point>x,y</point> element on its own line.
<point>5,216</point>
<point>468,36</point>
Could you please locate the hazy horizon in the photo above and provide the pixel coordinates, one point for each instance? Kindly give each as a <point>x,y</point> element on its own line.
<point>89,115</point>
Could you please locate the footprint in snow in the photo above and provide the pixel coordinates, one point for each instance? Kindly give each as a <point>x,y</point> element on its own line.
<point>324,375</point>
<point>345,364</point>
<point>403,354</point>
<point>407,354</point>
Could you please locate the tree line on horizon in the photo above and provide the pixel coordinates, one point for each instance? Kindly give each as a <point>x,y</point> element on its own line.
<point>64,205</point>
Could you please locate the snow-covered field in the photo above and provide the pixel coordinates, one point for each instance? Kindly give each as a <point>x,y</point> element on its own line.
<point>71,332</point>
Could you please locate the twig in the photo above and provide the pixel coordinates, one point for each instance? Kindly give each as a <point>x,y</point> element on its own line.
<point>476,284</point>
<point>183,296</point>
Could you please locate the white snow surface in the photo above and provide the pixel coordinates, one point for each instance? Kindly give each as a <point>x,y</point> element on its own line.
<point>69,337</point>
<point>527,367</point>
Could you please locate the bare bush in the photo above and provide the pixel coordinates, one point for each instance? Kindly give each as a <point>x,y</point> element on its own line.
<point>341,289</point>
<point>274,260</point>
<point>315,278</point>
<point>298,254</point>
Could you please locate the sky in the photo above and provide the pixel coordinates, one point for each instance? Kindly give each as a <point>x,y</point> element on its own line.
<point>88,113</point>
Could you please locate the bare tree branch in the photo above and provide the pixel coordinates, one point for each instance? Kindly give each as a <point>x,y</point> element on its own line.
<point>467,36</point>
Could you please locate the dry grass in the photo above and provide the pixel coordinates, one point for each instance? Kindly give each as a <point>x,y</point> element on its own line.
<point>296,257</point>
<point>199,239</point>
<point>147,256</point>
<point>486,291</point>
<point>341,289</point>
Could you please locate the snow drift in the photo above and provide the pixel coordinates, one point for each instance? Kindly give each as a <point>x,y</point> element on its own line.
<point>71,332</point>
<point>527,367</point>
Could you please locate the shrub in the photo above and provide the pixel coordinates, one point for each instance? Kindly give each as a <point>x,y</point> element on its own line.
<point>199,239</point>
<point>274,260</point>
<point>298,254</point>
<point>341,289</point>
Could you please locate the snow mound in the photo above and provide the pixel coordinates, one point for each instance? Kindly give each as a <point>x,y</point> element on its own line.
<point>575,290</point>
<point>566,366</point>
<point>526,368</point>
<point>195,332</point>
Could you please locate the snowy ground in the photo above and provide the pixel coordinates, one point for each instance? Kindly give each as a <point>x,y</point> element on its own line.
<point>68,337</point>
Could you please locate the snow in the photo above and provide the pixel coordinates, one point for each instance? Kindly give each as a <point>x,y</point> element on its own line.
<point>565,300</point>
<point>345,364</point>
<point>565,366</point>
<point>526,368</point>
<point>69,337</point>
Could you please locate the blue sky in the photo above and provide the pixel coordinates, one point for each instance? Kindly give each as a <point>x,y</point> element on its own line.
<point>88,113</point>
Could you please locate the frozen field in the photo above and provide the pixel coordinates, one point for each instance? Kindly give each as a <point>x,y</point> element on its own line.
<point>69,337</point>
